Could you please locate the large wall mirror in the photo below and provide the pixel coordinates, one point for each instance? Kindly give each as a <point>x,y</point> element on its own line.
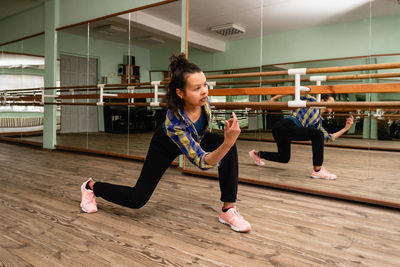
<point>124,54</point>
<point>267,36</point>
<point>118,52</point>
<point>108,69</point>
<point>21,77</point>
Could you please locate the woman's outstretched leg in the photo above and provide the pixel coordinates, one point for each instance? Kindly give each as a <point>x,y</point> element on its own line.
<point>161,153</point>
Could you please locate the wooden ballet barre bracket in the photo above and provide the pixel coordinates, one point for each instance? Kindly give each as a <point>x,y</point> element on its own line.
<point>318,80</point>
<point>211,85</point>
<point>131,90</point>
<point>4,97</point>
<point>297,102</point>
<point>102,94</point>
<point>155,102</point>
<point>44,96</point>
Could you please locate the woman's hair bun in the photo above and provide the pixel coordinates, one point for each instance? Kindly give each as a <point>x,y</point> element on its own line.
<point>178,62</point>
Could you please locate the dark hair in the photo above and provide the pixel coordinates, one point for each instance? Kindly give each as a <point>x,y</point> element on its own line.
<point>179,68</point>
<point>326,96</point>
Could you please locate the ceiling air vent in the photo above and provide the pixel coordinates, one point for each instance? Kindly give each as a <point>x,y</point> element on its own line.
<point>228,29</point>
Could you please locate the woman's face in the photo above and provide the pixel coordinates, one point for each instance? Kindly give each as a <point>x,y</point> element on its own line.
<point>196,90</point>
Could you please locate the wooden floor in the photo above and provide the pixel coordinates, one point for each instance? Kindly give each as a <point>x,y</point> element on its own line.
<point>41,223</point>
<point>366,174</point>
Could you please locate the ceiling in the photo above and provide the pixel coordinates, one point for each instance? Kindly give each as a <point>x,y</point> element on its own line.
<point>277,15</point>
<point>160,26</point>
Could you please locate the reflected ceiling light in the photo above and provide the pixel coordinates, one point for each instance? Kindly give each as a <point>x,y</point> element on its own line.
<point>324,8</point>
<point>228,29</point>
<point>110,29</point>
<point>10,61</point>
<point>24,66</point>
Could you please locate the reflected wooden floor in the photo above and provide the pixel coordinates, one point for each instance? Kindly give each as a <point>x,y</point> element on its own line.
<point>41,223</point>
<point>346,141</point>
<point>361,173</point>
<point>138,141</point>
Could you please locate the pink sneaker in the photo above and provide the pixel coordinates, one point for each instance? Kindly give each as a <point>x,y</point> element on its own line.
<point>234,220</point>
<point>323,174</point>
<point>256,158</point>
<point>88,203</point>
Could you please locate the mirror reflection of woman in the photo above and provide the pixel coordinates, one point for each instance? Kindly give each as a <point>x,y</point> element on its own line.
<point>303,124</point>
<point>184,131</point>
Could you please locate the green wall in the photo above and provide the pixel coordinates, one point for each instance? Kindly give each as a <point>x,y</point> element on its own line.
<point>32,46</point>
<point>23,24</point>
<point>20,71</point>
<point>159,57</point>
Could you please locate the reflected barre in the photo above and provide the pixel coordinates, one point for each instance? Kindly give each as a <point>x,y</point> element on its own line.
<point>320,89</point>
<point>286,90</point>
<point>149,85</point>
<point>308,79</point>
<point>271,106</point>
<point>35,96</point>
<point>284,105</point>
<point>107,86</point>
<point>283,90</point>
<point>342,106</point>
<point>309,71</point>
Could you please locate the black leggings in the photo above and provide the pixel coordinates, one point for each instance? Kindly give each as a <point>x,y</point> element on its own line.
<point>162,152</point>
<point>285,131</point>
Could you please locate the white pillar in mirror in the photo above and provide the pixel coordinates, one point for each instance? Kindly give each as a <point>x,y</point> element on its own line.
<point>184,38</point>
<point>51,19</point>
<point>184,25</point>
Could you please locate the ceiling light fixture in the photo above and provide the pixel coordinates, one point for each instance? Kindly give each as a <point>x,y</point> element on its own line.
<point>228,29</point>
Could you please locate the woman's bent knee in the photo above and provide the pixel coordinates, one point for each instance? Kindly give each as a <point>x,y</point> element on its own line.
<point>137,203</point>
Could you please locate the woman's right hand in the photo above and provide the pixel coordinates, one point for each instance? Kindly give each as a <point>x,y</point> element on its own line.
<point>231,133</point>
<point>232,130</point>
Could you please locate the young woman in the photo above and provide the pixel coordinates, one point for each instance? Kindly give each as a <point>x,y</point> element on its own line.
<point>184,131</point>
<point>302,124</point>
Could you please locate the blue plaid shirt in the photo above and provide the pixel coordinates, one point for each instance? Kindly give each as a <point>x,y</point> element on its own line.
<point>310,117</point>
<point>183,133</point>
